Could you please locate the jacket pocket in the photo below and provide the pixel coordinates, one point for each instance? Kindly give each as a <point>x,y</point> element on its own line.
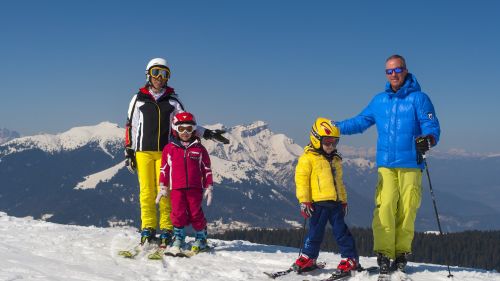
<point>378,191</point>
<point>416,197</point>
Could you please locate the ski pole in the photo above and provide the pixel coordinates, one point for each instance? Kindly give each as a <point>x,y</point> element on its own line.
<point>435,207</point>
<point>303,235</point>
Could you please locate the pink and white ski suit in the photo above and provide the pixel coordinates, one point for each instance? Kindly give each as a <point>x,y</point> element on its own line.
<point>186,170</point>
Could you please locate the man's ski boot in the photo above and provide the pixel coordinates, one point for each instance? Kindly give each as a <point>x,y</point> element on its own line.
<point>399,264</point>
<point>147,234</point>
<point>304,264</point>
<point>384,267</point>
<point>178,243</point>
<point>200,242</point>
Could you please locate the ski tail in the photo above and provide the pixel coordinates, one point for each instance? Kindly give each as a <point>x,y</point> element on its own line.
<point>274,275</point>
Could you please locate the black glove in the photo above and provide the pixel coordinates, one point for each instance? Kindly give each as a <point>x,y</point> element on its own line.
<point>215,135</point>
<point>423,144</point>
<point>130,162</point>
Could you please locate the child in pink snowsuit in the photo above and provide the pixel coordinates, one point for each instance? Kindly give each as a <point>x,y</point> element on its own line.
<point>186,175</point>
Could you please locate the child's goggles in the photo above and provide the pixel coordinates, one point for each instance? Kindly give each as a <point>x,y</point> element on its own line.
<point>330,141</point>
<point>187,128</point>
<point>159,72</point>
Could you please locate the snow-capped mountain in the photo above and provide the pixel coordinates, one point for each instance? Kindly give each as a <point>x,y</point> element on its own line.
<point>38,250</point>
<point>7,135</point>
<point>79,177</point>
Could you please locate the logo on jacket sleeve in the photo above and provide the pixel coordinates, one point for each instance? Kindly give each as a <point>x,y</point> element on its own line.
<point>430,115</point>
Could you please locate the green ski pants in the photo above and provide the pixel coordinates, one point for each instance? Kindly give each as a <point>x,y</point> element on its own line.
<point>397,199</point>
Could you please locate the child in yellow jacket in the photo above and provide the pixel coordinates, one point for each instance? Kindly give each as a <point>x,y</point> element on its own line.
<point>322,197</point>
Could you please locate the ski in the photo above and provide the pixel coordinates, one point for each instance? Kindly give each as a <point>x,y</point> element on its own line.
<point>184,253</point>
<point>137,249</point>
<point>157,254</point>
<point>274,275</point>
<point>192,252</point>
<point>396,274</point>
<point>401,275</point>
<point>132,252</point>
<point>342,275</point>
<point>384,276</point>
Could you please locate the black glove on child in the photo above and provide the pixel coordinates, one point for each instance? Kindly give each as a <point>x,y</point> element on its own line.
<point>423,144</point>
<point>130,162</point>
<point>215,135</point>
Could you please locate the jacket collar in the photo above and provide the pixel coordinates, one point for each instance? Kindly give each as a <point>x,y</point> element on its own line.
<point>177,142</point>
<point>145,91</point>
<point>411,85</point>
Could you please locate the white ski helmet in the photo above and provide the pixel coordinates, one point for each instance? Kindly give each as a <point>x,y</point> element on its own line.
<point>156,62</point>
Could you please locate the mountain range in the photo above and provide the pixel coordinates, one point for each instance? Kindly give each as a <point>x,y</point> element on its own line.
<point>7,135</point>
<point>78,177</point>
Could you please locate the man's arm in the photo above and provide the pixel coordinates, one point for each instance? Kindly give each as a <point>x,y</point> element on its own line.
<point>359,123</point>
<point>429,123</point>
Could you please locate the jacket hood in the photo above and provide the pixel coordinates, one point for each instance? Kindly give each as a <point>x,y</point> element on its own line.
<point>410,85</point>
<point>309,149</point>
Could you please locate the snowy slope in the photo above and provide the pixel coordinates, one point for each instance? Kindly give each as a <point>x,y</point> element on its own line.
<point>37,250</point>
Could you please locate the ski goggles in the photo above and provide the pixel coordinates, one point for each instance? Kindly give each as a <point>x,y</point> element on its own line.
<point>396,70</point>
<point>159,72</point>
<point>188,128</point>
<point>330,141</point>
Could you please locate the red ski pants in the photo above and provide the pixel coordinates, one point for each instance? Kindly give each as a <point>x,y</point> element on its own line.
<point>186,208</point>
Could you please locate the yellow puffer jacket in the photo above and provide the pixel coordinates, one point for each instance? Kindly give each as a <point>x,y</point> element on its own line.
<point>314,178</point>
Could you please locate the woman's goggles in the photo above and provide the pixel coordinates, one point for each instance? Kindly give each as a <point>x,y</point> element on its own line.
<point>330,141</point>
<point>187,128</point>
<point>159,72</point>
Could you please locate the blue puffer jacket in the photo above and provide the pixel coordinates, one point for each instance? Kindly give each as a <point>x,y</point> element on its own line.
<point>400,118</point>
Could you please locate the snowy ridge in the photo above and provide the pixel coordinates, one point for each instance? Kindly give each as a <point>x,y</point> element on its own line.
<point>103,133</point>
<point>263,153</point>
<point>38,250</point>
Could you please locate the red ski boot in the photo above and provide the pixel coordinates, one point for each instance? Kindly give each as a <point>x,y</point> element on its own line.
<point>304,263</point>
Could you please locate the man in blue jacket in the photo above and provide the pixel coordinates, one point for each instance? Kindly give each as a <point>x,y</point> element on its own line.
<point>407,127</point>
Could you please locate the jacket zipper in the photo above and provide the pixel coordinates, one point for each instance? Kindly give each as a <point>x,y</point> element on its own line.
<point>185,166</point>
<point>334,174</point>
<point>159,125</point>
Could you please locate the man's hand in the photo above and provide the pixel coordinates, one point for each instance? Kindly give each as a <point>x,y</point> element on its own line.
<point>130,162</point>
<point>215,135</point>
<point>424,143</point>
<point>306,209</point>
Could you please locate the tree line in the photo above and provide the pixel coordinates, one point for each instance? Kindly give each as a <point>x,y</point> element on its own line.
<point>475,249</point>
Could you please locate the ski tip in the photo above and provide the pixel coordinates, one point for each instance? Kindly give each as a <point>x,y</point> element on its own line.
<point>270,275</point>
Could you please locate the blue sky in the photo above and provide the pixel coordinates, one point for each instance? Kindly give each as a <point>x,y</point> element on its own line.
<point>73,63</point>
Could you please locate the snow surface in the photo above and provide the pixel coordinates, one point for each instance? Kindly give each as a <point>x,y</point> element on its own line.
<point>38,250</point>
